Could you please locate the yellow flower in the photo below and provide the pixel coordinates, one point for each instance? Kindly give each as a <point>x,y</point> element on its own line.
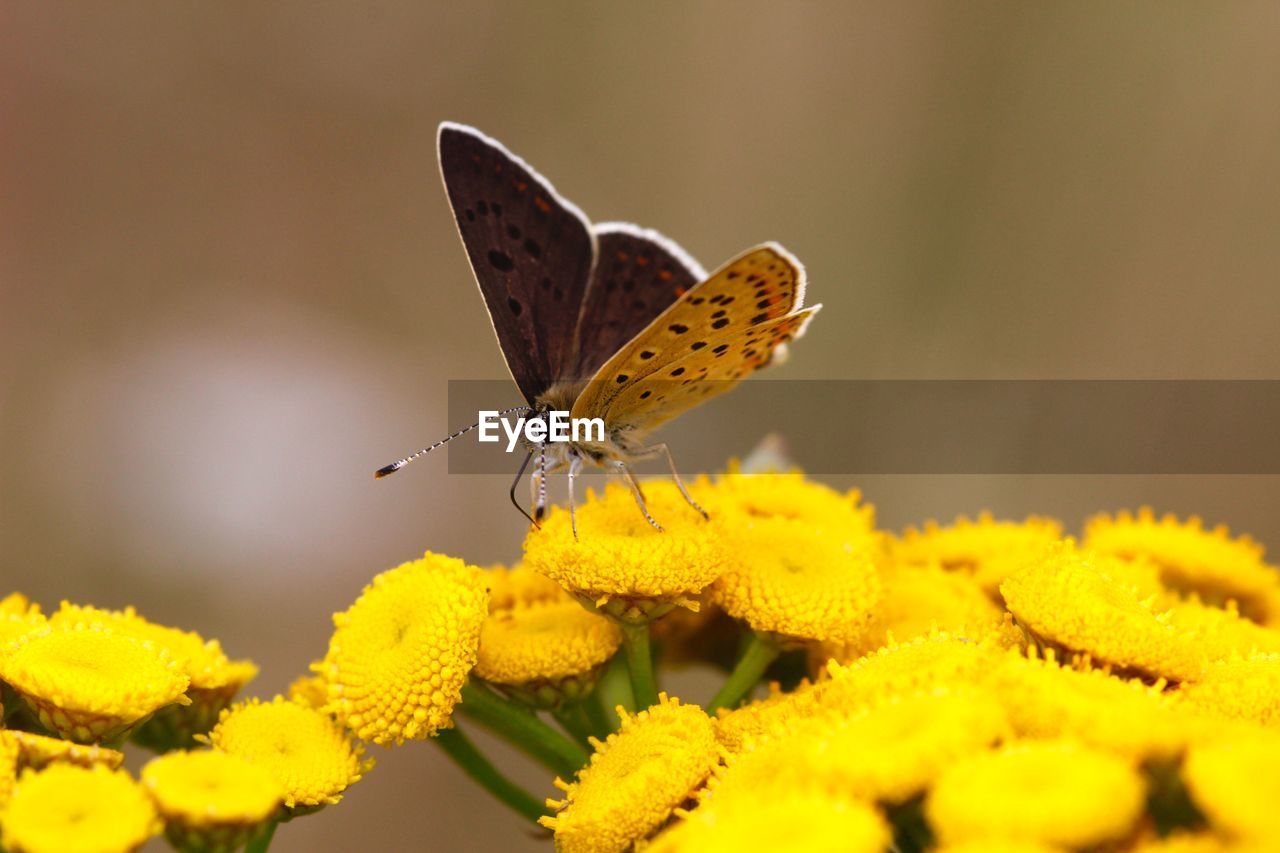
<point>9,756</point>
<point>793,819</point>
<point>1220,632</point>
<point>211,800</point>
<point>89,683</point>
<point>620,564</point>
<point>763,719</point>
<point>1234,784</point>
<point>214,678</point>
<point>1053,792</point>
<point>38,751</point>
<point>925,663</point>
<point>986,547</point>
<point>635,779</point>
<point>69,809</point>
<point>310,690</point>
<point>520,585</point>
<point>1080,601</point>
<point>1128,718</point>
<point>798,583</point>
<point>920,599</point>
<point>889,751</point>
<point>545,653</point>
<point>1238,689</point>
<point>788,496</point>
<point>309,755</point>
<point>1192,558</point>
<point>400,655</point>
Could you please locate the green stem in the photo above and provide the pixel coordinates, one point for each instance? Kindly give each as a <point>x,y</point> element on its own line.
<point>746,673</point>
<point>573,719</point>
<point>262,840</point>
<point>644,687</point>
<point>594,710</point>
<point>523,729</point>
<point>614,689</point>
<point>459,747</point>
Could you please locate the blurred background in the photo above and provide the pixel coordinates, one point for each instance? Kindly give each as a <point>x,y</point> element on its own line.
<point>230,285</point>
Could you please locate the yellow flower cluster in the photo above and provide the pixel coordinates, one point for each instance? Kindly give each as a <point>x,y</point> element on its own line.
<point>985,685</point>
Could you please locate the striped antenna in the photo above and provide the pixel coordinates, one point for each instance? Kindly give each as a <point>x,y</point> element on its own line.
<point>385,470</point>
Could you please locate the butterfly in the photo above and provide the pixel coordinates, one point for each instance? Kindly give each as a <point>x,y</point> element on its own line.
<point>607,321</point>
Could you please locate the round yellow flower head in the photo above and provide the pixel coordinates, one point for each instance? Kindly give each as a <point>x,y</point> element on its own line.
<point>920,599</point>
<point>308,754</point>
<point>791,819</point>
<point>89,683</point>
<point>986,547</point>
<point>214,678</point>
<point>635,779</point>
<point>1234,784</point>
<point>400,655</point>
<point>764,719</point>
<point>1126,717</point>
<point>520,585</point>
<point>1192,558</point>
<point>209,799</point>
<point>619,563</point>
<point>1238,689</point>
<point>788,496</point>
<point>1221,632</point>
<point>204,662</point>
<point>38,751</point>
<point>17,604</point>
<point>1046,791</point>
<point>545,653</point>
<point>69,809</point>
<point>890,751</point>
<point>1079,600</point>
<point>798,583</point>
<point>940,660</point>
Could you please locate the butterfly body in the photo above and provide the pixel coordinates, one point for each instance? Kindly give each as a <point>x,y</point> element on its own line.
<point>607,321</point>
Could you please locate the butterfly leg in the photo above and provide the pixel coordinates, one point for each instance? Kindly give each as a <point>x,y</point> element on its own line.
<point>575,466</point>
<point>516,482</point>
<point>538,484</point>
<point>637,494</point>
<point>675,475</point>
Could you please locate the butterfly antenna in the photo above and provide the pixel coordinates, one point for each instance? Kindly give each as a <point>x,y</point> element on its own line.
<point>385,470</point>
<point>516,482</point>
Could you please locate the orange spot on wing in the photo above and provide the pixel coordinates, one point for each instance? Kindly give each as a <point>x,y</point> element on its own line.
<point>541,204</point>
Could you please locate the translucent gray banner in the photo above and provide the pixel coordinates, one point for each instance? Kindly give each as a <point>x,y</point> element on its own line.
<point>949,427</point>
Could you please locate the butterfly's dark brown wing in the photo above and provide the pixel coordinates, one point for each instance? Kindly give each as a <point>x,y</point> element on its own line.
<point>638,274</point>
<point>531,250</point>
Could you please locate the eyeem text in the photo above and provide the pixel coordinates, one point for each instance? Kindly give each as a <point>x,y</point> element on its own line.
<point>555,425</point>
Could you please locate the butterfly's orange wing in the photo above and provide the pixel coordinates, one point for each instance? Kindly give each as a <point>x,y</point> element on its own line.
<point>718,332</point>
